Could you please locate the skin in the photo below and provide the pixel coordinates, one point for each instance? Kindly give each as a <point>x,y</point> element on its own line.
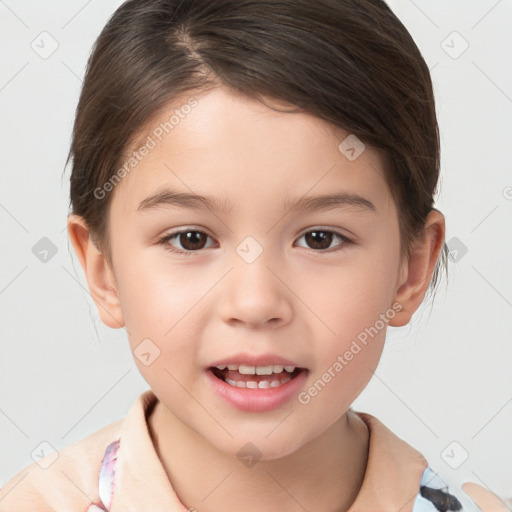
<point>294,300</point>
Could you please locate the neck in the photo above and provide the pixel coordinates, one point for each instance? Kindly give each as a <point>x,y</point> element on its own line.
<point>324,475</point>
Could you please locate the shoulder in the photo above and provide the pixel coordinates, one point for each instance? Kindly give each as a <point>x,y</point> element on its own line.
<point>399,471</point>
<point>436,495</point>
<point>63,480</point>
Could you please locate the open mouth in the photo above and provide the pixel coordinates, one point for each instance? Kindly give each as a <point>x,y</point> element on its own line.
<point>259,377</point>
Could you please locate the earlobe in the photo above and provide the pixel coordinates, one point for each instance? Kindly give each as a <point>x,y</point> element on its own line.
<point>416,273</point>
<point>99,275</point>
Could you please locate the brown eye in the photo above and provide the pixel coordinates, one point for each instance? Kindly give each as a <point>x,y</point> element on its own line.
<point>190,240</point>
<point>321,239</point>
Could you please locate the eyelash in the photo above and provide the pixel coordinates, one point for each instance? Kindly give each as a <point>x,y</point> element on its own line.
<point>164,240</point>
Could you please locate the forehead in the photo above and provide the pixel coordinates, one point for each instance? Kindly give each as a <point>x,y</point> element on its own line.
<point>240,150</point>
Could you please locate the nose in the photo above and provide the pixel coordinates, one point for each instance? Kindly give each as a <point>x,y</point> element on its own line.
<point>255,294</point>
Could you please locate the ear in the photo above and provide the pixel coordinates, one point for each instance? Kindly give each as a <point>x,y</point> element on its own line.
<point>416,273</point>
<point>99,275</point>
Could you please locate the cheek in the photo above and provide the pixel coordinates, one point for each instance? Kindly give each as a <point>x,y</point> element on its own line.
<point>354,303</point>
<point>160,311</point>
<point>345,361</point>
<point>157,297</point>
<point>348,298</point>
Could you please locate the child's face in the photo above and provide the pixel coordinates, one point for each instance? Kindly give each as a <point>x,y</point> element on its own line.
<point>306,299</point>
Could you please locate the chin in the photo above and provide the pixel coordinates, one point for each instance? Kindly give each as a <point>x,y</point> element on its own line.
<point>261,446</point>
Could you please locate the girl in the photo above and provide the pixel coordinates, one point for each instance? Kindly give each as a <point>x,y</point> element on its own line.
<point>252,200</point>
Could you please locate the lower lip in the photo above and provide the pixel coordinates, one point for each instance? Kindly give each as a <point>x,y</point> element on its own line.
<point>257,400</point>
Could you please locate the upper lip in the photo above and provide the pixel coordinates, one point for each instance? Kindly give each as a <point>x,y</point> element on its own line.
<point>255,360</point>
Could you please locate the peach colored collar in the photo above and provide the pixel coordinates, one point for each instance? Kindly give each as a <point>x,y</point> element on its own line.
<point>141,482</point>
<point>391,481</point>
<point>393,471</point>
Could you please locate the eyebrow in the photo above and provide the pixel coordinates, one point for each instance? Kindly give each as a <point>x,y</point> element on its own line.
<point>169,198</point>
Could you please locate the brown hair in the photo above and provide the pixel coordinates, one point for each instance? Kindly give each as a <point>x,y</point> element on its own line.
<point>349,62</point>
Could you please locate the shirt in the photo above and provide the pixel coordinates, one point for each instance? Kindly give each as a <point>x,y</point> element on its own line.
<point>117,469</point>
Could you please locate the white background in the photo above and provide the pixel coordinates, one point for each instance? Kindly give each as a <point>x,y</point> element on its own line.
<point>446,377</point>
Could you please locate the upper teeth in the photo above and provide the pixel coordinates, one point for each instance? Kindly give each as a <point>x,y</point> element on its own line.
<point>258,370</point>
